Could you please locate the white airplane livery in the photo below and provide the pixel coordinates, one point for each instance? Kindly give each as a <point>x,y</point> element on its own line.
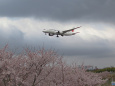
<point>69,32</point>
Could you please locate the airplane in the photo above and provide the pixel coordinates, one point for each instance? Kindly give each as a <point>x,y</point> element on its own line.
<point>69,32</point>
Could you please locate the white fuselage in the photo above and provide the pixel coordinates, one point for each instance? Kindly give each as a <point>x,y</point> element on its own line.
<point>52,32</point>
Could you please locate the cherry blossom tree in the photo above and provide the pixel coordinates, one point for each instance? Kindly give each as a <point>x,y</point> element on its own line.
<point>42,68</point>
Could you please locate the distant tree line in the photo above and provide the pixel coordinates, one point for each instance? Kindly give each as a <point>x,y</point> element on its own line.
<point>108,69</point>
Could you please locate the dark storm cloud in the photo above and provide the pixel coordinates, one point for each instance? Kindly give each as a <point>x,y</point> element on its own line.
<point>63,10</point>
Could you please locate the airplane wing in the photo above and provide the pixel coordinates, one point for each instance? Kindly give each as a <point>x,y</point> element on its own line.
<point>70,29</point>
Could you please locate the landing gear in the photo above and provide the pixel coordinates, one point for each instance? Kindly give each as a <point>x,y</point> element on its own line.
<point>62,35</point>
<point>58,33</point>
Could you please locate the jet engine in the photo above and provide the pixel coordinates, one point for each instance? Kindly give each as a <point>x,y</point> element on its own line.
<point>50,34</point>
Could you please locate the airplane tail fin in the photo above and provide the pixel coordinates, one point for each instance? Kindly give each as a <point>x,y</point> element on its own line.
<point>72,30</point>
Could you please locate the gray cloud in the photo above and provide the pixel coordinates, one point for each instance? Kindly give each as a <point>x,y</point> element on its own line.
<point>75,46</point>
<point>98,49</point>
<point>72,47</point>
<point>13,37</point>
<point>62,10</point>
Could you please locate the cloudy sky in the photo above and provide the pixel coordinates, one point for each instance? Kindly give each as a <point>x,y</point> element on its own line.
<point>22,22</point>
